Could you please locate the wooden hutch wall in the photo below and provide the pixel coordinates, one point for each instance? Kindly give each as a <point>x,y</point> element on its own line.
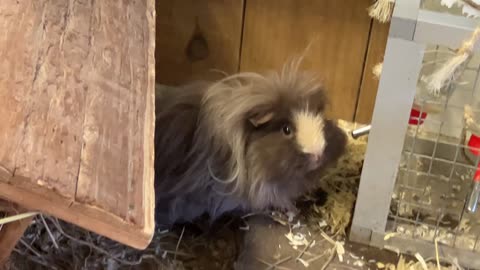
<point>195,38</point>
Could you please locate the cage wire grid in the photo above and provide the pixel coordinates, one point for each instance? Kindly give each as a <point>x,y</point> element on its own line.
<point>435,175</point>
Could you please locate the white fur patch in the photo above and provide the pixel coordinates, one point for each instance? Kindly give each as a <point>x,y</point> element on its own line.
<point>309,134</point>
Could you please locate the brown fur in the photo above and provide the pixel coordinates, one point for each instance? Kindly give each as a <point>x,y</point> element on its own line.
<point>219,146</point>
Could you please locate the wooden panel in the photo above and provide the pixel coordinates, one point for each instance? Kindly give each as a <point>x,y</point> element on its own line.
<point>369,86</point>
<point>194,37</point>
<point>77,112</point>
<point>276,30</point>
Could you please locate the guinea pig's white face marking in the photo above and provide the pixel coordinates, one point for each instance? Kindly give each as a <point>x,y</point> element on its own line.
<point>309,134</point>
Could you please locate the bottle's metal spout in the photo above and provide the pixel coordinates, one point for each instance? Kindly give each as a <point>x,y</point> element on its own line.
<point>359,132</point>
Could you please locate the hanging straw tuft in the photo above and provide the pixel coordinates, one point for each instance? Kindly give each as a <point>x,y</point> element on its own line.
<point>453,68</point>
<point>382,10</point>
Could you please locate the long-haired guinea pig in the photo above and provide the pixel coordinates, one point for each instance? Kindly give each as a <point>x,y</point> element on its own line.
<point>247,142</point>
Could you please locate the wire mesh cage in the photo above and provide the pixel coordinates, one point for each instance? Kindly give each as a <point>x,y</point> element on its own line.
<point>420,181</point>
<point>437,168</point>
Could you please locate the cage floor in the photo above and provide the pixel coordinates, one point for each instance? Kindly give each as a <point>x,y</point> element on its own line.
<point>433,183</point>
<point>254,242</point>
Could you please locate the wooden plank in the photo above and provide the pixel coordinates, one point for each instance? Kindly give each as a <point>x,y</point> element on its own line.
<point>113,132</point>
<point>16,69</point>
<point>10,233</point>
<point>77,112</point>
<point>194,37</point>
<point>276,30</point>
<point>369,86</point>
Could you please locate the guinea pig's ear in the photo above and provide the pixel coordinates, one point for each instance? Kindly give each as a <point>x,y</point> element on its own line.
<point>259,119</point>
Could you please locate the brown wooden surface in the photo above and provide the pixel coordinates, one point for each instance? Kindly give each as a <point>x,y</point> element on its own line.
<point>369,86</point>
<point>276,30</point>
<point>76,112</point>
<point>194,37</point>
<point>11,232</point>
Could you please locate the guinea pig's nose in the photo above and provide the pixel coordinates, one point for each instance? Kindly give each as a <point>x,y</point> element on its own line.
<point>314,161</point>
<point>314,158</point>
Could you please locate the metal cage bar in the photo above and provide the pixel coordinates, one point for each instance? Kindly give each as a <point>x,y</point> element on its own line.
<point>394,100</point>
<point>411,30</point>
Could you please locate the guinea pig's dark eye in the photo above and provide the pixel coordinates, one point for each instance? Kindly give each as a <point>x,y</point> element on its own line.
<point>287,130</point>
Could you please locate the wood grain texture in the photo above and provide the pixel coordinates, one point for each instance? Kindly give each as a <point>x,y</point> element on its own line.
<point>11,232</point>
<point>77,112</point>
<point>369,86</point>
<point>194,37</point>
<point>277,30</point>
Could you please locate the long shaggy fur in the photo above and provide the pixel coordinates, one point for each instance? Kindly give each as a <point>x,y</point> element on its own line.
<point>210,159</point>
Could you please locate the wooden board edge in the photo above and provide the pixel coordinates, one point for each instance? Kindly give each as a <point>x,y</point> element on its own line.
<point>149,130</point>
<point>369,84</point>
<point>10,234</point>
<point>88,217</point>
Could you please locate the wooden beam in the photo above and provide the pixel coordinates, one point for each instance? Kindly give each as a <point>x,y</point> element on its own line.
<point>369,86</point>
<point>77,112</point>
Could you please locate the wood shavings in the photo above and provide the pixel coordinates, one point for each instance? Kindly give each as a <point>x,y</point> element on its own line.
<point>403,265</point>
<point>297,239</point>
<point>322,224</point>
<point>436,253</point>
<point>299,257</point>
<point>359,263</point>
<point>276,216</point>
<point>389,235</point>
<point>337,245</point>
<point>297,225</point>
<point>340,249</point>
<point>471,118</point>
<point>380,265</point>
<point>354,256</point>
<point>421,261</point>
<point>464,225</point>
<point>305,263</point>
<point>328,238</point>
<point>330,259</point>
<point>244,228</point>
<point>443,235</point>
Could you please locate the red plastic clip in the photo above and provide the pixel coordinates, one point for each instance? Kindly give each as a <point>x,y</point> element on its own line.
<point>415,117</point>
<point>474,144</point>
<point>474,147</point>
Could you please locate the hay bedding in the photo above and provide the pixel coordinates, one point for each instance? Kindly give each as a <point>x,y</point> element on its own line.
<point>53,244</point>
